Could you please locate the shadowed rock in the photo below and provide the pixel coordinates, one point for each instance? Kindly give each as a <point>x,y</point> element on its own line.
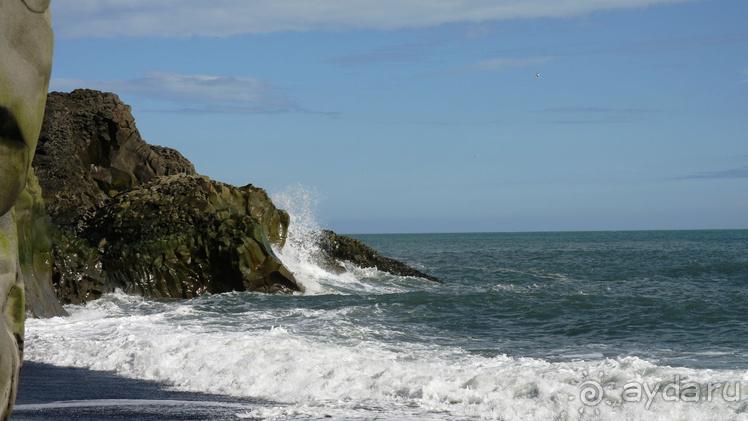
<point>339,248</point>
<point>90,150</point>
<point>35,231</point>
<point>26,44</point>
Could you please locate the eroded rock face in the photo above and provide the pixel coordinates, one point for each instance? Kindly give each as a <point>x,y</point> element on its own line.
<point>35,234</point>
<point>185,235</point>
<point>134,216</point>
<point>26,44</point>
<point>90,150</point>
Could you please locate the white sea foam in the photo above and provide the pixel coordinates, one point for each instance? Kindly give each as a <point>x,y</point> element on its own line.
<point>340,360</point>
<point>301,252</point>
<point>316,363</point>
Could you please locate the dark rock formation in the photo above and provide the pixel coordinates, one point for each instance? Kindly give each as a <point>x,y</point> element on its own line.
<point>340,248</point>
<point>183,235</point>
<point>77,274</point>
<point>89,150</point>
<point>128,215</point>
<point>135,216</point>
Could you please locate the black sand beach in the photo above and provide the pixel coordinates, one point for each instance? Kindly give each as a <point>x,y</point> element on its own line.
<point>48,392</point>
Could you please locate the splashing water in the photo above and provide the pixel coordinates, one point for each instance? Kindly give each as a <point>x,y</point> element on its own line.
<point>302,254</point>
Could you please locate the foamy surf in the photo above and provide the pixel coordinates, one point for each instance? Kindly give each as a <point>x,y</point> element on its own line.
<point>321,363</point>
<point>363,344</point>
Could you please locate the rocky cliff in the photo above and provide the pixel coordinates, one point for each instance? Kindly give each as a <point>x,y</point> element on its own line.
<point>129,215</point>
<point>135,216</point>
<point>90,150</point>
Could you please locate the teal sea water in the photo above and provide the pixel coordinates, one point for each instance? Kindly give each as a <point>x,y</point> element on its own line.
<point>528,326</point>
<point>671,297</point>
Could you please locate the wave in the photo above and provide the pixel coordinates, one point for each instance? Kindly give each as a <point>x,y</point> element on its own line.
<point>316,362</point>
<point>301,253</point>
<point>343,351</point>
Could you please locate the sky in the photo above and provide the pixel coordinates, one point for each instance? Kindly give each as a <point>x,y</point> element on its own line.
<point>399,116</point>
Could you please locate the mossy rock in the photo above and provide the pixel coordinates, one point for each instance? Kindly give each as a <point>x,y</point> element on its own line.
<point>35,232</point>
<point>184,235</point>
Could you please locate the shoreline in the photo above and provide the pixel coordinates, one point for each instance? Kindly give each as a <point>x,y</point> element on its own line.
<point>48,392</point>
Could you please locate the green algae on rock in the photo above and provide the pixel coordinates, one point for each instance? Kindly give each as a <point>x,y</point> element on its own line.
<point>26,46</point>
<point>35,251</point>
<point>184,235</point>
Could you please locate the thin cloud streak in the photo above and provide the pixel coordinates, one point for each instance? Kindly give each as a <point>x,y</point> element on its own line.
<point>741,172</point>
<point>596,115</point>
<point>185,18</point>
<point>503,64</point>
<point>407,53</point>
<point>599,110</point>
<point>197,93</point>
<point>500,64</point>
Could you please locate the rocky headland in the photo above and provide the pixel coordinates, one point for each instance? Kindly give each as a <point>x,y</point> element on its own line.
<point>104,210</point>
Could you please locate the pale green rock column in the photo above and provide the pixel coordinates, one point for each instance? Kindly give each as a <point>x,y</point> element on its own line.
<point>26,44</point>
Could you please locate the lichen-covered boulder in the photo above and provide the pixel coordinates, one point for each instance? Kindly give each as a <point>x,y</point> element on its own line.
<point>26,44</point>
<point>184,235</point>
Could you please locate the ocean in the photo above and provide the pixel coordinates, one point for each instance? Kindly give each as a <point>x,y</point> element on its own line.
<point>527,326</point>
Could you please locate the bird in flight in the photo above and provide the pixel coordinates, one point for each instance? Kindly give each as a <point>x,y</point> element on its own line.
<point>537,75</point>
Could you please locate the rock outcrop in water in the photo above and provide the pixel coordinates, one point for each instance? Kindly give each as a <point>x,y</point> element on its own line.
<point>129,215</point>
<point>339,248</point>
<point>134,216</point>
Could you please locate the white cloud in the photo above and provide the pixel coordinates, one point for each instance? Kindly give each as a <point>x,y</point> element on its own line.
<point>184,18</point>
<point>501,64</point>
<point>196,93</point>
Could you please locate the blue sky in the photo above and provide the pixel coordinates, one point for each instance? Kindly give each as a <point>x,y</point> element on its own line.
<point>428,116</point>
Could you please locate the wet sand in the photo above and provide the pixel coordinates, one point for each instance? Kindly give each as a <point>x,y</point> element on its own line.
<point>48,392</point>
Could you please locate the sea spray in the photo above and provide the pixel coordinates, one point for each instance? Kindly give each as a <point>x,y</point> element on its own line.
<point>302,254</point>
